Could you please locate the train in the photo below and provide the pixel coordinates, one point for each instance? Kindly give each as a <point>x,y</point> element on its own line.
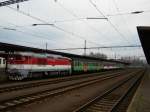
<point>2,62</point>
<point>22,65</point>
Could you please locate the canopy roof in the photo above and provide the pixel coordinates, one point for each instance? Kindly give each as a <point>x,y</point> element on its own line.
<point>144,35</point>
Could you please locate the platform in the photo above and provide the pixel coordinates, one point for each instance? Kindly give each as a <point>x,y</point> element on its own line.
<point>141,99</point>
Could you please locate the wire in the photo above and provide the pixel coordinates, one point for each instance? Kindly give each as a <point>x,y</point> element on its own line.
<point>30,34</point>
<point>103,47</point>
<point>81,19</point>
<point>125,22</point>
<point>128,13</point>
<point>76,16</point>
<point>74,34</point>
<point>113,26</point>
<point>2,28</point>
<point>27,33</point>
<point>45,22</point>
<point>41,34</point>
<point>69,20</point>
<point>9,2</point>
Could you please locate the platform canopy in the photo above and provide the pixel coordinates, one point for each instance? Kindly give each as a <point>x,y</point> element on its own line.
<point>144,35</point>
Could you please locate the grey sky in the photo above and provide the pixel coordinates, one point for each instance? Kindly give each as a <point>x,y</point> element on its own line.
<point>96,32</point>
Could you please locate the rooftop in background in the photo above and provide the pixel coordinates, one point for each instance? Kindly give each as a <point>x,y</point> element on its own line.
<point>144,35</point>
<point>12,48</point>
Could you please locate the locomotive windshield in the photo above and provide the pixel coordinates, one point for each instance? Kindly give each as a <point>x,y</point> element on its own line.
<point>18,58</point>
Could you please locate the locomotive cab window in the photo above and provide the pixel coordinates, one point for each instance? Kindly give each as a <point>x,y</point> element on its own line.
<point>18,58</point>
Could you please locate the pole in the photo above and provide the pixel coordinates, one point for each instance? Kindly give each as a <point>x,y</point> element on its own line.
<point>85,47</point>
<point>46,46</point>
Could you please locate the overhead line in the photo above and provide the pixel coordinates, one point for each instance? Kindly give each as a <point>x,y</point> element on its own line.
<point>16,39</point>
<point>125,22</point>
<point>9,2</point>
<point>97,17</point>
<point>76,16</point>
<point>27,14</point>
<point>31,34</point>
<point>28,33</point>
<point>128,13</point>
<point>41,33</point>
<point>108,21</point>
<point>102,47</point>
<point>54,26</point>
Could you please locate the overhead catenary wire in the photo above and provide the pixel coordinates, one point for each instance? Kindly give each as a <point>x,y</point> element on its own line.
<point>125,22</point>
<point>76,16</point>
<point>26,33</point>
<point>113,26</point>
<point>82,20</point>
<point>72,13</point>
<point>11,29</point>
<point>129,13</point>
<point>36,35</point>
<point>10,2</point>
<point>104,47</point>
<point>97,17</point>
<point>54,26</point>
<point>29,33</point>
<point>46,22</point>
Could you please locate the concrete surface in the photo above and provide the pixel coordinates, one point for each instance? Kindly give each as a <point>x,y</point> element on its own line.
<point>141,100</point>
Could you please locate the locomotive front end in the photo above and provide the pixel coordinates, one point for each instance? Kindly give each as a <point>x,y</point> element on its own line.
<point>17,67</point>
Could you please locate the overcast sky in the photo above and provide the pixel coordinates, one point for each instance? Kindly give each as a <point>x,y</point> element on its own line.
<point>71,27</point>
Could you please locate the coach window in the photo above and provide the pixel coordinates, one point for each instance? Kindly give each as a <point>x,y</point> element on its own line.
<point>4,61</point>
<point>78,63</point>
<point>74,63</point>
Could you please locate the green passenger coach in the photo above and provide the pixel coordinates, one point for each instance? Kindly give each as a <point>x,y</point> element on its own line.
<point>86,65</point>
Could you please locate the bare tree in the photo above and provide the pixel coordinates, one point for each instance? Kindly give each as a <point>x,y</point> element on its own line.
<point>98,55</point>
<point>135,61</point>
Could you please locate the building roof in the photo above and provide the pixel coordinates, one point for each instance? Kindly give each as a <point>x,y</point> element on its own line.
<point>144,35</point>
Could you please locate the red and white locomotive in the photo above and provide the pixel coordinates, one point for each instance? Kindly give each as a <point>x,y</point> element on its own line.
<point>26,65</point>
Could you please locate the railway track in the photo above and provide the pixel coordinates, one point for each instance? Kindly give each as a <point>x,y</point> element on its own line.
<point>47,82</point>
<point>21,100</point>
<point>116,99</point>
